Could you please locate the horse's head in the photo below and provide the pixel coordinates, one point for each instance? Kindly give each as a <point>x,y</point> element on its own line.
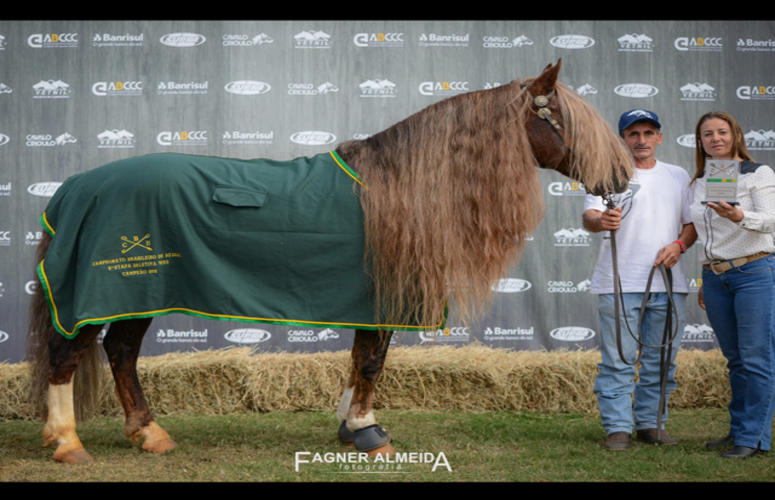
<point>569,136</point>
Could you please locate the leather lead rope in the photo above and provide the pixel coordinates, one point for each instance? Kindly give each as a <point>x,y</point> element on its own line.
<point>669,333</point>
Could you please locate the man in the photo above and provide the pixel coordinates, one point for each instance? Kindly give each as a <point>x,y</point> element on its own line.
<point>653,227</point>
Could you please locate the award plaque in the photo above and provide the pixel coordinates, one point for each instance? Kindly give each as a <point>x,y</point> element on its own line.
<point>721,181</point>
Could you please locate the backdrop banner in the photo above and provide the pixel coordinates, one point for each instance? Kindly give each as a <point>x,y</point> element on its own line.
<point>75,95</point>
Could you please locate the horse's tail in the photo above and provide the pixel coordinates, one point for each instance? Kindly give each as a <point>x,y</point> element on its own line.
<point>87,379</point>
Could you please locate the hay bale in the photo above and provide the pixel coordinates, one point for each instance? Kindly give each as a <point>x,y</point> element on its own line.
<point>15,387</point>
<point>471,378</point>
<point>207,382</point>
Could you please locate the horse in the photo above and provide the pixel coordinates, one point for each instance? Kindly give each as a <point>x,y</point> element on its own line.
<point>448,196</point>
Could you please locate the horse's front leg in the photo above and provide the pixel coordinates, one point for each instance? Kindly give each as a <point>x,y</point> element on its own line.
<point>122,345</point>
<point>356,410</point>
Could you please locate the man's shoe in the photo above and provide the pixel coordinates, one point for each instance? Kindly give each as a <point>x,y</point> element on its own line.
<point>617,441</point>
<point>726,441</point>
<point>740,452</point>
<point>651,436</point>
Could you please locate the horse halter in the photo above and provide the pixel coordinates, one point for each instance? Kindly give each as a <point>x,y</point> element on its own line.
<point>541,102</point>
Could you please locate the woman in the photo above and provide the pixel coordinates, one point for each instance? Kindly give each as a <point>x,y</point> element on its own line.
<point>738,281</point>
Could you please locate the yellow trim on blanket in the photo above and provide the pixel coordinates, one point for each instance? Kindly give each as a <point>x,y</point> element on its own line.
<point>44,221</point>
<point>183,310</point>
<point>344,166</point>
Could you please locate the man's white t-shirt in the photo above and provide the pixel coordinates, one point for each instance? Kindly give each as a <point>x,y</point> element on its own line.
<point>654,211</point>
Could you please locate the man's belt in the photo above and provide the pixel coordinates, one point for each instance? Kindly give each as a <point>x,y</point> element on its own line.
<point>722,266</point>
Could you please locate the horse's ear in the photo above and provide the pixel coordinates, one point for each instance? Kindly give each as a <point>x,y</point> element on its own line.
<point>546,81</point>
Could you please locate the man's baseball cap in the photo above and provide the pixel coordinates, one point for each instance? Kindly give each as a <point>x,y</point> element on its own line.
<point>638,115</point>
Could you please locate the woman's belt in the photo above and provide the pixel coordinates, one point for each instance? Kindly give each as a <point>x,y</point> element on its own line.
<point>722,266</point>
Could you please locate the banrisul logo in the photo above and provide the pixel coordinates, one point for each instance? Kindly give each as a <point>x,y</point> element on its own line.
<point>181,336</point>
<point>182,88</point>
<point>232,137</point>
<point>122,40</point>
<point>443,40</point>
<point>182,40</point>
<point>752,45</point>
<point>500,333</point>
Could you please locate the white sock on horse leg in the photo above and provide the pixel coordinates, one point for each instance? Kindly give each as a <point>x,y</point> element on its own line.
<point>344,403</point>
<point>359,423</point>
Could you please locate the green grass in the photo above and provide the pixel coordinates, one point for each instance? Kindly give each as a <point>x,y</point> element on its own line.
<point>478,447</point>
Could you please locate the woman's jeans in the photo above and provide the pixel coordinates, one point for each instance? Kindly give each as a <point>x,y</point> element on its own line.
<point>740,305</point>
<point>615,383</point>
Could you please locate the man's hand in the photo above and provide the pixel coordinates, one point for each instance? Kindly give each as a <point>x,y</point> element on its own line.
<point>611,220</point>
<point>668,255</point>
<point>596,221</point>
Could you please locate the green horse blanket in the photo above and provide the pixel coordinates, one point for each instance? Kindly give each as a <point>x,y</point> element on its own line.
<point>245,240</point>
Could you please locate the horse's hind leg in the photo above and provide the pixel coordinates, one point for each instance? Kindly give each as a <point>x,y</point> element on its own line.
<point>356,410</point>
<point>122,345</point>
<point>64,356</point>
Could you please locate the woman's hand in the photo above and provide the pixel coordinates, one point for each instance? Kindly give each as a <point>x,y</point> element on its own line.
<point>727,211</point>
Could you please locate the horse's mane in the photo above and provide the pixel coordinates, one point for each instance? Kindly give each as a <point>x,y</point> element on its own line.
<point>451,195</point>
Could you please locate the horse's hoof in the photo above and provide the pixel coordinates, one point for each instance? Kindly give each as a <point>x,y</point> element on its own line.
<point>346,436</point>
<point>159,447</point>
<point>371,438</point>
<point>155,439</point>
<point>78,456</point>
<point>384,451</point>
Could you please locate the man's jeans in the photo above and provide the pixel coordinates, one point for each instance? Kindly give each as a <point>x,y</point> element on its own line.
<point>615,382</point>
<point>740,304</point>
